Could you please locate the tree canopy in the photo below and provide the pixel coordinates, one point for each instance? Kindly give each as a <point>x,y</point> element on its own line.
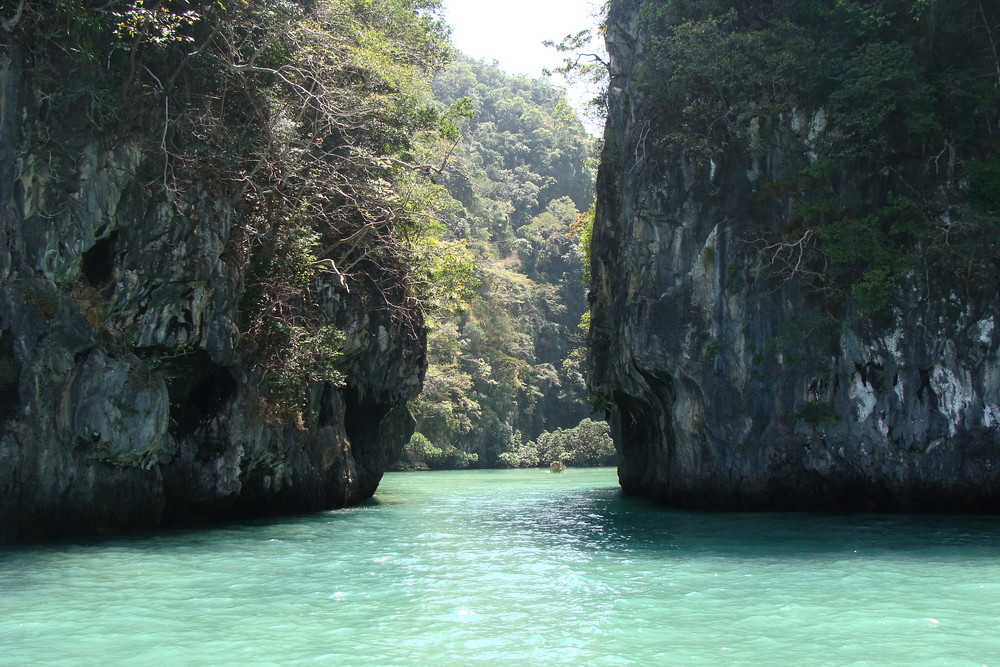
<point>506,367</point>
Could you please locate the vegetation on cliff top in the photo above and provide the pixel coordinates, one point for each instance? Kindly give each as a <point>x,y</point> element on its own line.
<point>900,100</point>
<point>309,118</point>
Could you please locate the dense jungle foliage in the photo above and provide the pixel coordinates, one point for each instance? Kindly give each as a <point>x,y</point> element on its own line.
<point>506,365</point>
<point>307,117</point>
<point>900,100</point>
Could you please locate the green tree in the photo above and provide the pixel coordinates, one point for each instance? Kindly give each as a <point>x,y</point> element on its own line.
<point>499,374</point>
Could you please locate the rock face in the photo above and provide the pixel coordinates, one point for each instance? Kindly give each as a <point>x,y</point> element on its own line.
<point>723,388</point>
<point>126,397</point>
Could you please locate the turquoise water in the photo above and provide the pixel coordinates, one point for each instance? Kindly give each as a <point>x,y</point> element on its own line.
<point>514,568</point>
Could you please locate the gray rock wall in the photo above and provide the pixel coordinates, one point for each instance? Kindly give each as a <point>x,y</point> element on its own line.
<point>723,390</point>
<point>126,399</point>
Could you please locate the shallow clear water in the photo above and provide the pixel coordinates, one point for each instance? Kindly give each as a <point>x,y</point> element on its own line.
<point>514,568</point>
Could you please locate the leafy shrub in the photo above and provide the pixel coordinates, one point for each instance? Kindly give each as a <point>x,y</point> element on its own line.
<point>421,453</point>
<point>818,413</point>
<point>588,443</point>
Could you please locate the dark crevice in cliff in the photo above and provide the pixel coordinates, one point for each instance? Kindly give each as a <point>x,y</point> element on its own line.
<point>199,390</point>
<point>98,263</point>
<point>872,375</point>
<point>363,418</point>
<point>10,377</point>
<point>647,436</point>
<point>327,414</point>
<point>925,384</point>
<point>205,400</point>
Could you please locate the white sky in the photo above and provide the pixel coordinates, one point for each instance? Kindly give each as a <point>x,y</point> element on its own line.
<point>512,32</point>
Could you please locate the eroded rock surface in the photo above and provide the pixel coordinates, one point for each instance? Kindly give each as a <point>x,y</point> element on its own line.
<point>126,396</point>
<point>722,388</point>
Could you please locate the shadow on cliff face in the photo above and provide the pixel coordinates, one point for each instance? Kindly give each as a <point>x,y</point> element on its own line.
<point>98,263</point>
<point>194,403</point>
<point>364,416</point>
<point>199,389</point>
<point>10,376</point>
<point>647,439</point>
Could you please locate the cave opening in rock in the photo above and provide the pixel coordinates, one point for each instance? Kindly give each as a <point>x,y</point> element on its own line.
<point>637,438</point>
<point>99,262</point>
<point>327,413</point>
<point>205,400</point>
<point>363,416</point>
<point>199,390</point>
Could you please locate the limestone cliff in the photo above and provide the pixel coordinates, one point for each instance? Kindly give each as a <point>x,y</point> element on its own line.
<point>743,362</point>
<point>130,396</point>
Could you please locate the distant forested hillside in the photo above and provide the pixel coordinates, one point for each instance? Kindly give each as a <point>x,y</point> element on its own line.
<point>506,360</point>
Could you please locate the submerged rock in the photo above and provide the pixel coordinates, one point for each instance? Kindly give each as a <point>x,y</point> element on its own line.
<point>729,386</point>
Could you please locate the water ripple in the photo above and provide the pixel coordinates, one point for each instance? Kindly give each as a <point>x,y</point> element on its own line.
<point>514,567</point>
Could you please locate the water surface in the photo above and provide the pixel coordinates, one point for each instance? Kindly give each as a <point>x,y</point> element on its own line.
<point>514,568</point>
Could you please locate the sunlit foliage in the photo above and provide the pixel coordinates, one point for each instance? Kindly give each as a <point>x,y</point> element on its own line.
<point>501,371</point>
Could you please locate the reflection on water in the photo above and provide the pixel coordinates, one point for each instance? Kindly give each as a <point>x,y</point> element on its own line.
<point>515,567</point>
